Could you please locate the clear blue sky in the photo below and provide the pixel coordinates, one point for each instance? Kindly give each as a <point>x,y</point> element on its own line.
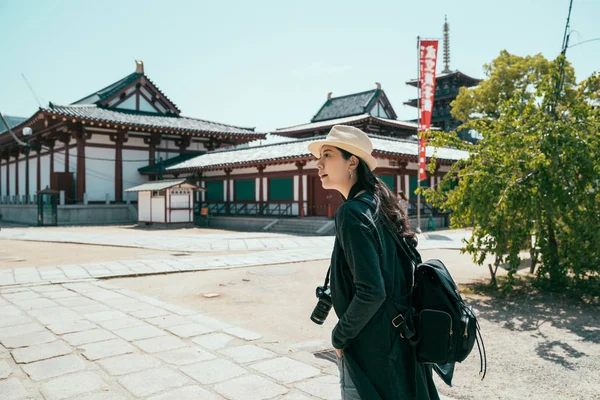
<point>267,64</point>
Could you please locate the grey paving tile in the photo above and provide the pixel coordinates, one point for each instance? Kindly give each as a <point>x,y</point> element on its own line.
<point>28,339</point>
<point>158,344</point>
<point>121,323</point>
<point>186,355</point>
<point>247,353</point>
<point>76,301</point>
<point>140,332</point>
<point>13,389</point>
<point>152,381</point>
<point>214,371</point>
<point>72,386</point>
<point>239,388</point>
<point>5,370</point>
<point>186,393</point>
<point>9,311</point>
<point>105,395</point>
<point>20,329</point>
<point>169,320</point>
<point>108,348</point>
<point>149,312</point>
<point>34,303</point>
<point>54,315</point>
<point>84,310</point>
<point>213,341</point>
<point>71,326</point>
<point>286,370</point>
<point>128,363</point>
<point>85,337</point>
<point>40,352</point>
<point>324,387</point>
<point>189,330</point>
<point>105,316</point>
<point>53,367</point>
<point>243,333</point>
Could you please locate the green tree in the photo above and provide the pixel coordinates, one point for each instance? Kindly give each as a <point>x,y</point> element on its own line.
<point>535,172</point>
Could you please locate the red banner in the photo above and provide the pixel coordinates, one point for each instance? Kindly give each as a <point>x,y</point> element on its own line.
<point>427,60</point>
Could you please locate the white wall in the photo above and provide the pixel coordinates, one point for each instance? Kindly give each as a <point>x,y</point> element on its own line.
<point>32,176</point>
<point>3,180</point>
<point>45,167</point>
<point>180,216</point>
<point>158,209</point>
<point>99,174</point>
<point>282,167</point>
<point>21,177</point>
<point>131,176</point>
<point>100,139</point>
<point>12,186</point>
<point>144,202</point>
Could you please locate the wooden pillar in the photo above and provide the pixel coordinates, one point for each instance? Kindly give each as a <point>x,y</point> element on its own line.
<point>17,174</point>
<point>50,144</point>
<point>152,141</point>
<point>261,199</point>
<point>300,165</point>
<point>66,139</point>
<point>119,138</point>
<point>183,143</point>
<point>79,136</point>
<point>39,168</point>
<point>227,202</point>
<point>8,174</point>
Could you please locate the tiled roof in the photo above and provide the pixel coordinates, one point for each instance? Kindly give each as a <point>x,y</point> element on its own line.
<point>11,121</point>
<point>178,124</point>
<point>413,82</point>
<point>345,106</point>
<point>111,89</point>
<point>297,149</point>
<point>105,93</point>
<point>157,185</point>
<point>356,119</point>
<point>156,168</point>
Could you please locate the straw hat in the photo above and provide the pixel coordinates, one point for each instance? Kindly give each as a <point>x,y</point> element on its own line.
<point>349,138</point>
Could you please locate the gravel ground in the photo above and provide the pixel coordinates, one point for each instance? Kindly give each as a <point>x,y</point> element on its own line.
<point>538,347</point>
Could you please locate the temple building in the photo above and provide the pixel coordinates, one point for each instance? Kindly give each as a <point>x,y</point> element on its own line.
<point>117,137</point>
<point>281,179</point>
<point>447,86</point>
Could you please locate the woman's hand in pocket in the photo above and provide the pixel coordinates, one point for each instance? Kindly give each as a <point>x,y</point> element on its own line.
<point>339,353</point>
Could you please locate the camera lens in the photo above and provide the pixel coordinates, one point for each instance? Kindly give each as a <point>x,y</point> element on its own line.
<point>319,314</point>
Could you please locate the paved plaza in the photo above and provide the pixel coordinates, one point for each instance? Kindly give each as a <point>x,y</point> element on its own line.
<point>67,333</point>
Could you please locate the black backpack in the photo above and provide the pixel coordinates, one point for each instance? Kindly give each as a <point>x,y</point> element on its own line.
<point>439,324</point>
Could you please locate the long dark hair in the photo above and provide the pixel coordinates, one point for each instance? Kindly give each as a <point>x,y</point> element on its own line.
<point>388,207</point>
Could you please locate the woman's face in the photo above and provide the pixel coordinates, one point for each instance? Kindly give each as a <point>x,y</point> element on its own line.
<point>334,170</point>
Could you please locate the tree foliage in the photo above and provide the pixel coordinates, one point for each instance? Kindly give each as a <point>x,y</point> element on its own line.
<point>535,172</point>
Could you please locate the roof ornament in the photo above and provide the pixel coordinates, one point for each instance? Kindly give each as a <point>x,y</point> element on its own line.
<point>329,95</point>
<point>139,67</point>
<point>446,46</point>
<point>378,85</point>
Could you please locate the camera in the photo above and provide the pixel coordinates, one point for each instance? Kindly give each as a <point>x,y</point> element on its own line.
<point>323,306</point>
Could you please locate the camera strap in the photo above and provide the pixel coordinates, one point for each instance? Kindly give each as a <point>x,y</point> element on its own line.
<point>326,284</point>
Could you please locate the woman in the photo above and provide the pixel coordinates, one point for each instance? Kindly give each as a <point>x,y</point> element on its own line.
<point>368,270</point>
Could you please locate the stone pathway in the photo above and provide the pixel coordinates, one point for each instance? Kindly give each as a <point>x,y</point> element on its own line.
<point>233,241</point>
<point>94,341</point>
<point>67,273</point>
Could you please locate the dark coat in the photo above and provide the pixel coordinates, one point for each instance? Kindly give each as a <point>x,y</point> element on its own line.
<point>366,269</point>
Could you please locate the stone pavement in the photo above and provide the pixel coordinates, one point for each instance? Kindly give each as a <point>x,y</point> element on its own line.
<point>231,241</point>
<point>77,272</point>
<point>95,341</point>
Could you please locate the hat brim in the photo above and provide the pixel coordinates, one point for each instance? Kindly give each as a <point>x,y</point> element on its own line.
<point>315,149</point>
